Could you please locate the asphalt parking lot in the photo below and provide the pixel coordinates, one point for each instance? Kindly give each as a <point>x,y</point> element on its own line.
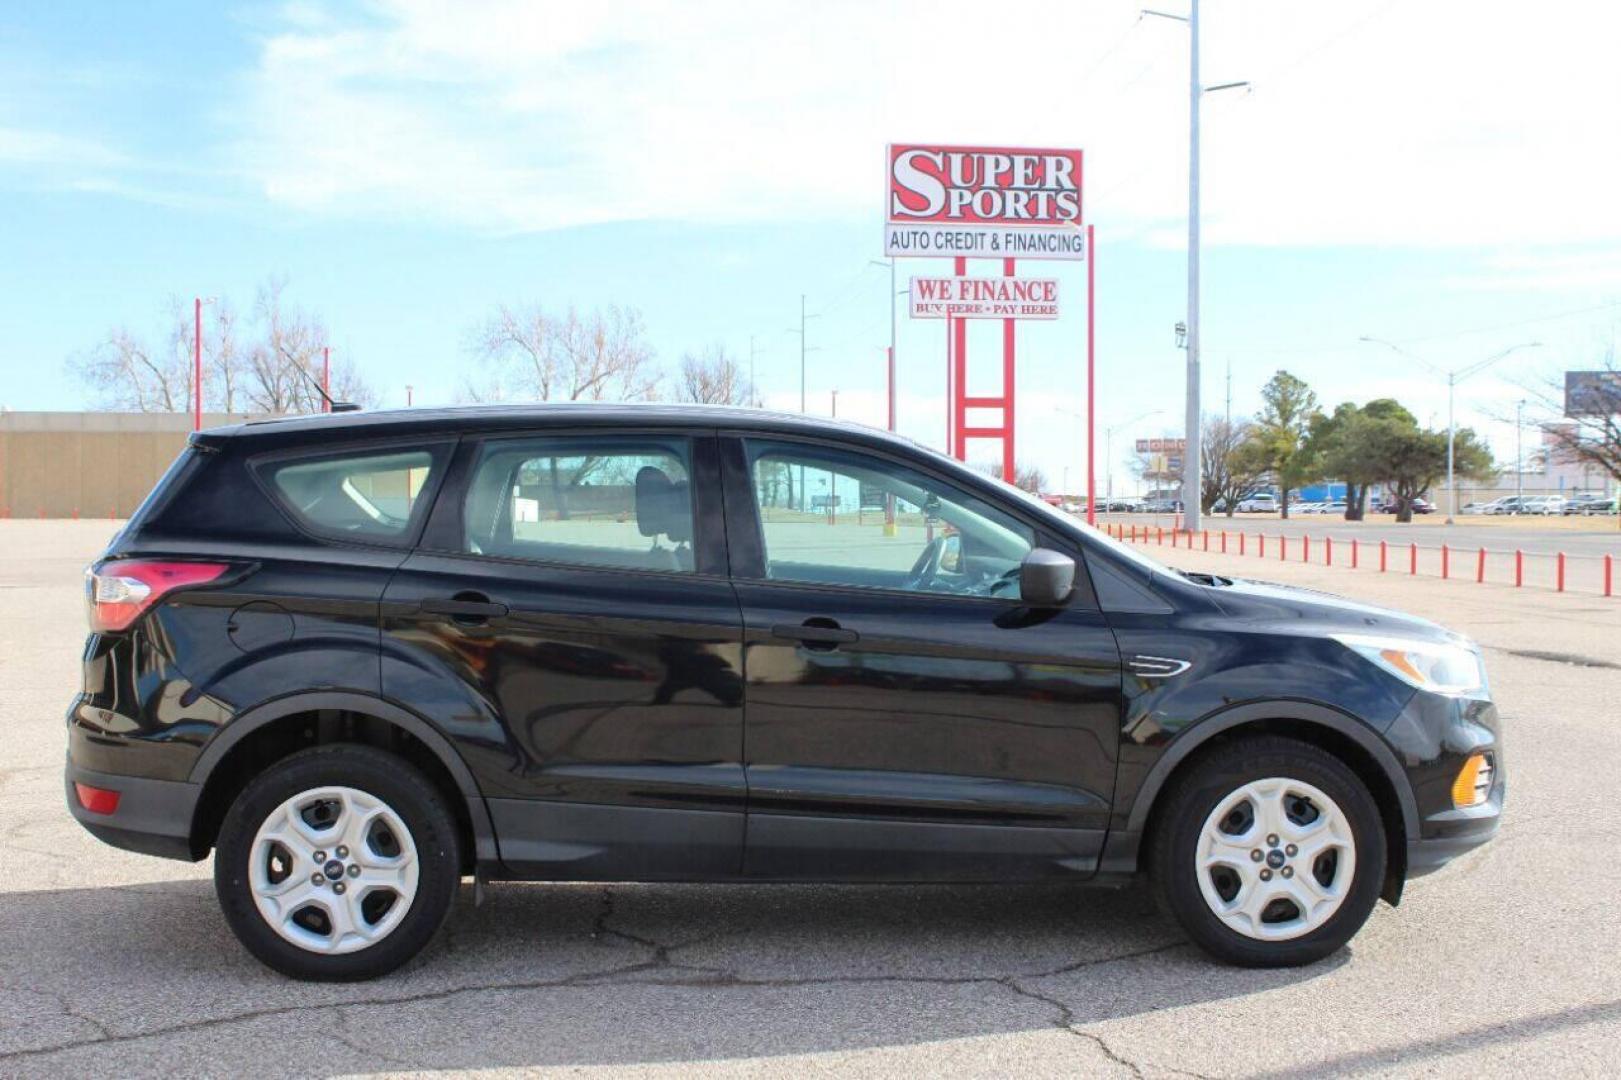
<point>115,964</point>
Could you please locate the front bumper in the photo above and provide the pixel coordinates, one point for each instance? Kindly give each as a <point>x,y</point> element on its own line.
<point>153,816</point>
<point>1436,735</point>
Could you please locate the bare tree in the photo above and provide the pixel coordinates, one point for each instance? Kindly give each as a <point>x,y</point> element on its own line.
<point>1590,431</point>
<point>122,374</point>
<point>272,369</point>
<point>530,354</point>
<point>1232,464</point>
<point>713,377</point>
<point>1025,476</point>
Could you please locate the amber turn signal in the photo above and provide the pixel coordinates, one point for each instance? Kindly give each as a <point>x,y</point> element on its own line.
<point>1474,781</point>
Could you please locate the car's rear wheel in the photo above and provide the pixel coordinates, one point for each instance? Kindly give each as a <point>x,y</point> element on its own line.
<point>1270,852</point>
<point>337,863</point>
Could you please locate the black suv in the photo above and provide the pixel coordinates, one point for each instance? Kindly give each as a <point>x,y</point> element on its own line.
<point>364,656</point>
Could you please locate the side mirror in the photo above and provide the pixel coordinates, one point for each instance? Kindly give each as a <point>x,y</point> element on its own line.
<point>1046,578</point>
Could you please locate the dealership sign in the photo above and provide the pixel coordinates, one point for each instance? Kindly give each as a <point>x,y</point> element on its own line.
<point>984,298</point>
<point>983,202</point>
<point>1162,446</point>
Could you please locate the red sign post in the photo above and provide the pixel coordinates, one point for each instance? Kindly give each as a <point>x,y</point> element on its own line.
<point>1006,203</point>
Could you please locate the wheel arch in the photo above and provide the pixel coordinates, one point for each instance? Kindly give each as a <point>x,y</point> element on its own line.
<point>1350,740</point>
<point>289,723</point>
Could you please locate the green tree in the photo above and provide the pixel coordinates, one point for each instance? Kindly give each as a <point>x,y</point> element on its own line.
<point>1352,444</point>
<point>1232,463</point>
<point>1286,415</point>
<point>1416,459</point>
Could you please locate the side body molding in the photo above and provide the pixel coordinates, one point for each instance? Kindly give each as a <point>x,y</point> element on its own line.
<point>257,717</point>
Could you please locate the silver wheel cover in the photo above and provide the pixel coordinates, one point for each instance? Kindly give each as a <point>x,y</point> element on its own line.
<point>333,870</point>
<point>1292,848</point>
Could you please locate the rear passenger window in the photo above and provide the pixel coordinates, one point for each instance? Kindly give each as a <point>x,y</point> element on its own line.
<point>588,501</point>
<point>371,495</point>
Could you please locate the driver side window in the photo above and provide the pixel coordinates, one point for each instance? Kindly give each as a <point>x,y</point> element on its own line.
<point>833,517</point>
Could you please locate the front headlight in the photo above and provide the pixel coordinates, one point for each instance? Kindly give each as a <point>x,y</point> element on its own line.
<point>1440,669</point>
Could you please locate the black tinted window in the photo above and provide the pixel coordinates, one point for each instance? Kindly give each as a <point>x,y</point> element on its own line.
<point>366,495</point>
<point>592,501</point>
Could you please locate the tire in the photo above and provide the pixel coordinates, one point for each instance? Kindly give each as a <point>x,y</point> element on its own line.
<point>1257,778</point>
<point>385,900</point>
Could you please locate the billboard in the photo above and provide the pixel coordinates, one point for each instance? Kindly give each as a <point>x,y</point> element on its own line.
<point>1592,393</point>
<point>984,298</point>
<point>982,202</point>
<point>1162,446</point>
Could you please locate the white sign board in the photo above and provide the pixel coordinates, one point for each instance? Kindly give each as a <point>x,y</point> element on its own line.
<point>983,202</point>
<point>984,298</point>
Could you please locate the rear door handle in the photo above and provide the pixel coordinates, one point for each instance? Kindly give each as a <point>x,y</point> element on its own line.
<point>464,607</point>
<point>816,633</point>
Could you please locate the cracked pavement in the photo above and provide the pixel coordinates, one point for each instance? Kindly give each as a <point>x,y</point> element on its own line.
<point>115,964</point>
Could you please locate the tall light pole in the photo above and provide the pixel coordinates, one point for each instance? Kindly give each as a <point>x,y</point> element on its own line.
<point>1108,452</point>
<point>1519,453</point>
<point>1196,91</point>
<point>1453,378</point>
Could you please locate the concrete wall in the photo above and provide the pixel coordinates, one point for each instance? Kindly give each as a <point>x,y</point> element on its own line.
<point>88,464</point>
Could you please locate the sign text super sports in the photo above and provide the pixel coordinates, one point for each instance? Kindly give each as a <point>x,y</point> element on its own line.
<point>983,202</point>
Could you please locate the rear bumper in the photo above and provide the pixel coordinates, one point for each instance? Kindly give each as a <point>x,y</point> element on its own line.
<point>153,816</point>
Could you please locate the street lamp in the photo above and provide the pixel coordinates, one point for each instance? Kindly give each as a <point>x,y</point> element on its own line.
<point>1108,442</point>
<point>1196,91</point>
<point>1453,378</point>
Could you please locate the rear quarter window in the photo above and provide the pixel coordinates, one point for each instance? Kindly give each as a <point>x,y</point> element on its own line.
<point>376,495</point>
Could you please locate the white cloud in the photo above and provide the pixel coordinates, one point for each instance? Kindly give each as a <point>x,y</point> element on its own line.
<point>1423,124</point>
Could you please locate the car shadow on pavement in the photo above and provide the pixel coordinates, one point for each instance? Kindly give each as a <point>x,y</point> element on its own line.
<point>147,978</point>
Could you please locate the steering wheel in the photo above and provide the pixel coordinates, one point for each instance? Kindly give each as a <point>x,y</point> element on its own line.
<point>927,567</point>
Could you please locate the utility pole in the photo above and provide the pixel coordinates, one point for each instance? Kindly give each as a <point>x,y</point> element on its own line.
<point>1190,457</point>
<point>1229,393</point>
<point>801,353</point>
<point>1519,454</point>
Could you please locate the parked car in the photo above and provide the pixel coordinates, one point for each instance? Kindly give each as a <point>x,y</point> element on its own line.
<point>1125,506</point>
<point>1546,506</point>
<point>1598,507</point>
<point>1423,506</point>
<point>331,651</point>
<point>1163,506</point>
<point>1261,502</point>
<point>1509,504</point>
<point>1576,504</point>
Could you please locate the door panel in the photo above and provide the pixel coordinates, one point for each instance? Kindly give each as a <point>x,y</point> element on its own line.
<point>937,730</point>
<point>600,708</point>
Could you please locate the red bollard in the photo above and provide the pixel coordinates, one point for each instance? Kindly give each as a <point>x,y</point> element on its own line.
<point>1173,537</point>
<point>1283,548</point>
<point>1480,567</point>
<point>1609,575</point>
<point>1241,537</point>
<point>1412,560</point>
<point>1519,568</point>
<point>1383,562</point>
<point>1353,553</point>
<point>1328,551</point>
<point>1224,541</point>
<point>1560,580</point>
<point>1206,533</point>
<point>1305,548</point>
<point>1261,549</point>
<point>1445,561</point>
<point>1160,530</point>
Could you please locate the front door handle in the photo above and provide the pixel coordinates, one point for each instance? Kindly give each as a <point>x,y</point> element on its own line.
<point>465,607</point>
<point>816,633</point>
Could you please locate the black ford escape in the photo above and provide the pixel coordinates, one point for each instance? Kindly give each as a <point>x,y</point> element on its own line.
<point>363,656</point>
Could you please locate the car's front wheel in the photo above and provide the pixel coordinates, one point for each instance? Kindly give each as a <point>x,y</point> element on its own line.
<point>337,863</point>
<point>1270,852</point>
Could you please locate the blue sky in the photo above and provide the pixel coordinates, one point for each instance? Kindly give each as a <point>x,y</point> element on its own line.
<point>1416,176</point>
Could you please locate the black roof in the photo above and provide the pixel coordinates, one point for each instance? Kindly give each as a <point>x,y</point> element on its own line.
<point>460,419</point>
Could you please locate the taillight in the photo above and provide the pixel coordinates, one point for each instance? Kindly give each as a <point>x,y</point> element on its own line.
<point>118,592</point>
